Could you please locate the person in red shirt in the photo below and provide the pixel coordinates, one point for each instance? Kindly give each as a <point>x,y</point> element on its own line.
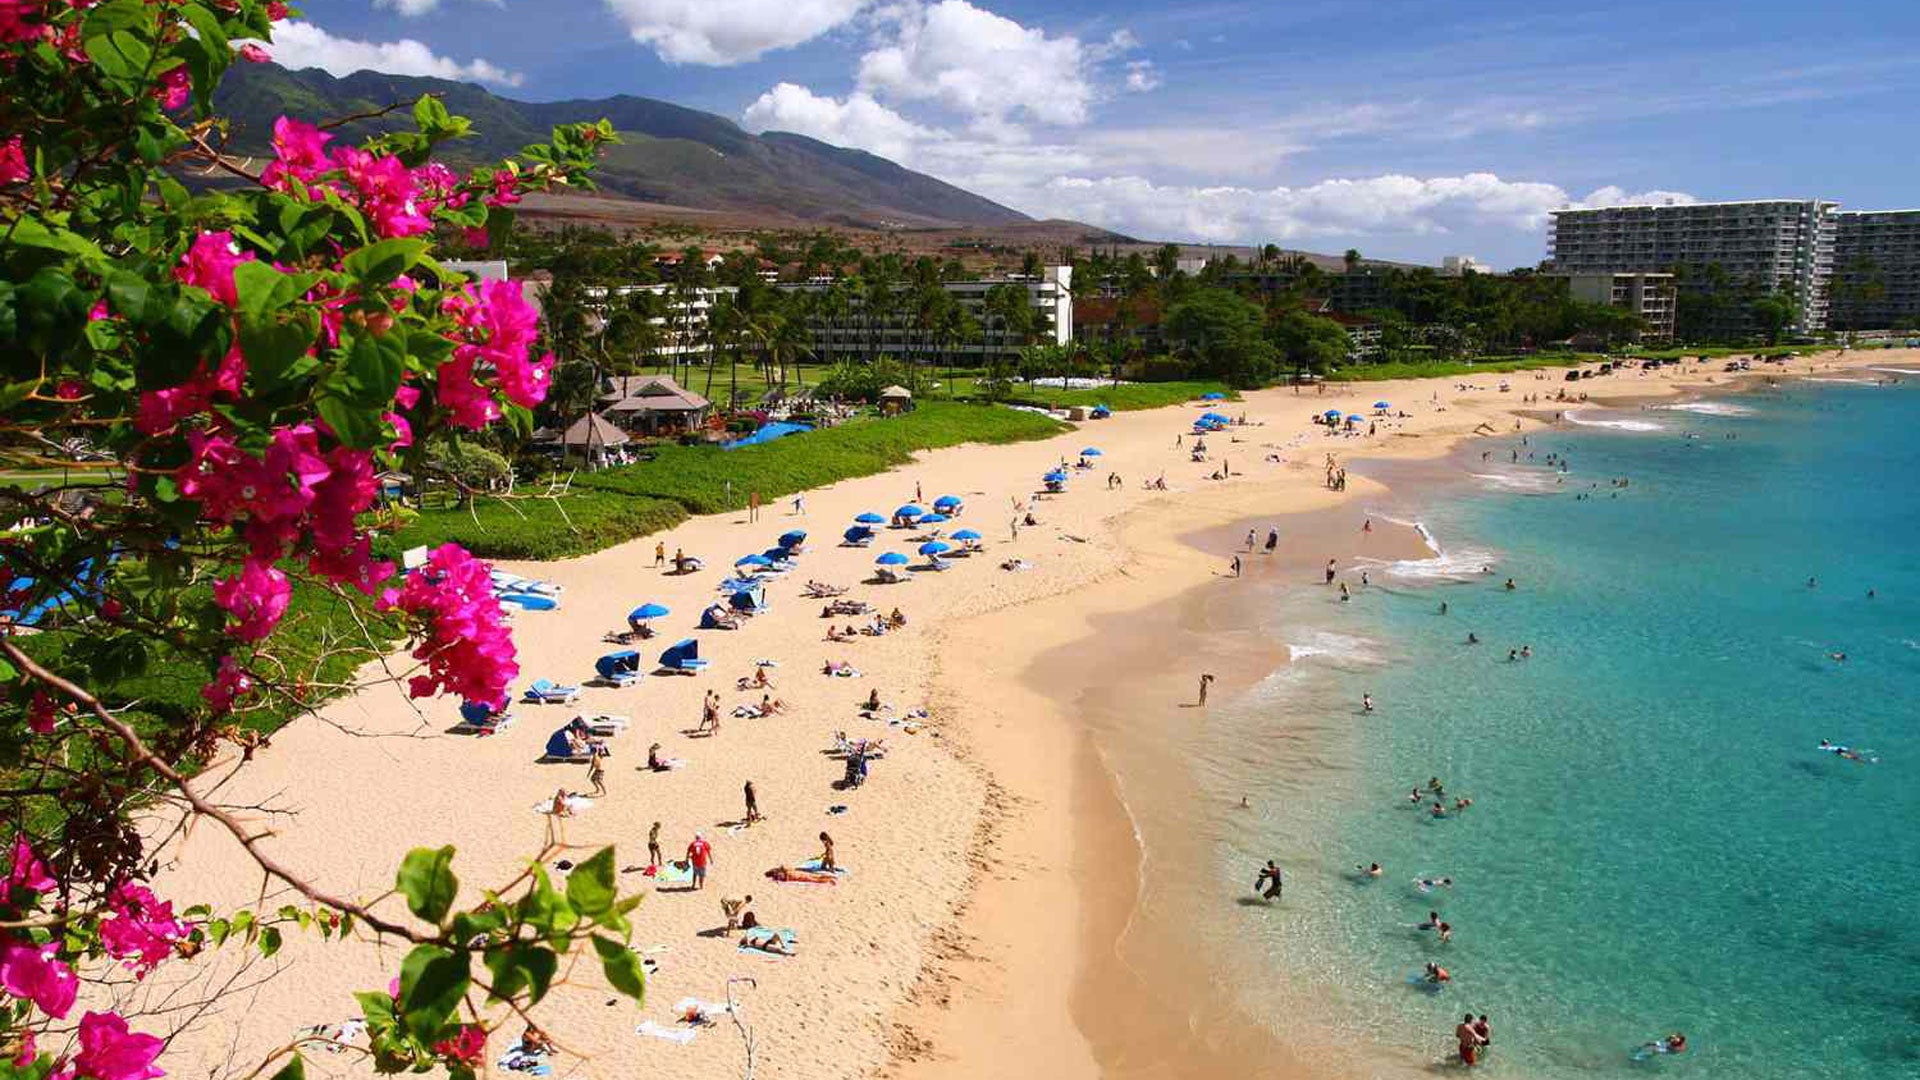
<point>700,854</point>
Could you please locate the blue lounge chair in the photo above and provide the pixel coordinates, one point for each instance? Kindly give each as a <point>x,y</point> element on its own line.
<point>547,692</point>
<point>619,668</point>
<point>683,657</point>
<point>480,719</point>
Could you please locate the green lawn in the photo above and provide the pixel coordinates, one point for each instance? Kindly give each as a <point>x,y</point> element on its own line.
<point>1437,368</point>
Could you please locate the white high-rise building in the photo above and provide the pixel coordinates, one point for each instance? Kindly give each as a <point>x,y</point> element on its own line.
<point>1752,248</point>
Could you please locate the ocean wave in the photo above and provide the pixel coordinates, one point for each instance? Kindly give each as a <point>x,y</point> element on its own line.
<point>1463,565</point>
<point>1335,647</point>
<point>1525,483</point>
<point>1572,416</point>
<point>1850,382</point>
<point>1426,536</point>
<point>1896,370</point>
<point>1709,408</point>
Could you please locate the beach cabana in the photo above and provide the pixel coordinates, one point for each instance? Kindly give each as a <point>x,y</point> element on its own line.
<point>682,657</point>
<point>750,601</point>
<point>619,668</point>
<point>895,399</point>
<point>857,536</point>
<point>793,539</point>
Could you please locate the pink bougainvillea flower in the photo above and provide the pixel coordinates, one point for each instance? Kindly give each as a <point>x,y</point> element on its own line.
<point>108,1051</point>
<point>465,642</point>
<point>20,20</point>
<point>174,89</point>
<point>30,972</point>
<point>301,152</point>
<point>26,1051</point>
<point>209,264</point>
<point>13,159</point>
<point>466,1047</point>
<point>68,390</point>
<point>477,238</point>
<point>230,684</point>
<point>141,929</point>
<point>27,872</point>
<point>253,54</point>
<point>40,713</point>
<point>257,597</point>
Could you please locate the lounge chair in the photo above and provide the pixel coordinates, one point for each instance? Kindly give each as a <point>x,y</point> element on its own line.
<point>606,726</point>
<point>718,618</point>
<point>505,582</point>
<point>619,669</point>
<point>529,601</point>
<point>886,576</point>
<point>547,692</point>
<point>478,719</point>
<point>683,658</point>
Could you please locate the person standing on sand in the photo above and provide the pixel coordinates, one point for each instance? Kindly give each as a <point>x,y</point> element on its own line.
<point>1250,540</point>
<point>799,505</point>
<point>1273,538</point>
<point>1270,877</point>
<point>826,853</point>
<point>753,804</point>
<point>659,554</point>
<point>916,491</point>
<point>700,854</point>
<point>654,857</point>
<point>1330,565</point>
<point>1236,566</point>
<point>1205,681</point>
<point>597,775</point>
<point>753,506</point>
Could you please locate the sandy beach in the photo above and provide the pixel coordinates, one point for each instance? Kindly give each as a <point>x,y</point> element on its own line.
<point>991,862</point>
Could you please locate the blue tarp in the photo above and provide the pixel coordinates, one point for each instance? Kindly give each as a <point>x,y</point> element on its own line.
<point>766,434</point>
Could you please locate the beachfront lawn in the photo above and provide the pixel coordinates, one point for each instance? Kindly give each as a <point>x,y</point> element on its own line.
<point>1433,369</point>
<point>708,480</point>
<point>581,522</point>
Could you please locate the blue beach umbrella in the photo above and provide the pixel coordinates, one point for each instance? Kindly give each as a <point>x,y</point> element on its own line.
<point>870,518</point>
<point>1213,395</point>
<point>1381,405</point>
<point>1335,413</point>
<point>909,511</point>
<point>1056,476</point>
<point>935,547</point>
<point>934,519</point>
<point>777,554</point>
<point>753,560</point>
<point>1091,451</point>
<point>946,502</point>
<point>892,558</point>
<point>966,534</point>
<point>1354,418</point>
<point>648,611</point>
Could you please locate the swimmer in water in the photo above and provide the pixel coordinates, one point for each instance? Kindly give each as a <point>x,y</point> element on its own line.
<point>1366,702</point>
<point>1414,796</point>
<point>1510,586</point>
<point>1432,923</point>
<point>1439,809</point>
<point>1446,932</point>
<point>1675,1043</point>
<point>1526,652</point>
<point>1837,657</point>
<point>1427,885</point>
<point>1344,594</point>
<point>1437,975</point>
<point>1434,785</point>
<point>1372,870</point>
<point>1813,583</point>
<point>1473,638</point>
<point>1443,607</point>
<point>1513,655</point>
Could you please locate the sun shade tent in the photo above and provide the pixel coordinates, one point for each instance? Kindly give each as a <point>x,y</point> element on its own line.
<point>793,539</point>
<point>683,655</point>
<point>558,746</point>
<point>750,600</point>
<point>619,668</point>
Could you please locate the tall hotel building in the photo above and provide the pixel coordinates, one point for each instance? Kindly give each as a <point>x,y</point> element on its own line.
<point>1767,246</point>
<point>1876,271</point>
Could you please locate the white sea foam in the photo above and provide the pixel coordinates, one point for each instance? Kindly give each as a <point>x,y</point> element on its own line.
<point>1417,526</point>
<point>1526,483</point>
<point>1463,565</point>
<point>1709,408</point>
<point>1334,647</point>
<point>1852,382</point>
<point>1573,417</point>
<point>1896,370</point>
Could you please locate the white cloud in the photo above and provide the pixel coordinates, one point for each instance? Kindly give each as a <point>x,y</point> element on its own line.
<point>725,32</point>
<point>1142,76</point>
<point>304,45</point>
<point>413,9</point>
<point>988,68</point>
<point>859,121</point>
<point>1348,209</point>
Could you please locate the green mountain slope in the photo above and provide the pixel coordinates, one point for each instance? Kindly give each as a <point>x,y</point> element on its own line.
<point>671,154</point>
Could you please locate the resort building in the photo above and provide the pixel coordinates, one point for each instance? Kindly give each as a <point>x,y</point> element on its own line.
<point>1876,270</point>
<point>1651,296</point>
<point>1049,296</point>
<point>1753,248</point>
<point>652,404</point>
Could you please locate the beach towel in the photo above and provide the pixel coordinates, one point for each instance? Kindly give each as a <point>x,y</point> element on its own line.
<point>575,803</point>
<point>813,866</point>
<point>518,1060</point>
<point>710,1008</point>
<point>683,1036</point>
<point>752,940</point>
<point>673,873</point>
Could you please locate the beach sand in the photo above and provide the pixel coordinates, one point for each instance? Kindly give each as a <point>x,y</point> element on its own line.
<point>993,865</point>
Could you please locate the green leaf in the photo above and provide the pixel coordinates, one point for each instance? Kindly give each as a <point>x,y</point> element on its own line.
<point>470,925</point>
<point>373,368</point>
<point>432,981</point>
<point>426,876</point>
<point>117,38</point>
<point>545,910</point>
<point>590,887</point>
<point>294,1069</point>
<point>377,264</point>
<point>430,115</point>
<point>14,393</point>
<point>520,967</point>
<point>622,966</point>
<point>274,348</point>
<point>358,427</point>
<point>8,672</point>
<point>32,231</point>
<point>377,1008</point>
<point>263,289</point>
<point>269,940</point>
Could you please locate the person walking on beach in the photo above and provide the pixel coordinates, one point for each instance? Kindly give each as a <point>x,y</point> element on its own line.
<point>597,775</point>
<point>1269,877</point>
<point>1273,539</point>
<point>1206,680</point>
<point>1330,568</point>
<point>1236,566</point>
<point>659,554</point>
<point>753,506</point>
<point>799,505</point>
<point>700,854</point>
<point>826,852</point>
<point>753,804</point>
<point>654,857</point>
<point>1250,540</point>
<point>1469,1041</point>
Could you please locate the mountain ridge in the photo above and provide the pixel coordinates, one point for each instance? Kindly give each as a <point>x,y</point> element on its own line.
<point>670,154</point>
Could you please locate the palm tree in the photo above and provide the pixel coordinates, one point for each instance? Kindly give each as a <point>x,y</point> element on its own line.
<point>1352,259</point>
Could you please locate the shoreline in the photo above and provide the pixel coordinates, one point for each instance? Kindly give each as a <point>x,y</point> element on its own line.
<point>995,867</point>
<point>1102,815</point>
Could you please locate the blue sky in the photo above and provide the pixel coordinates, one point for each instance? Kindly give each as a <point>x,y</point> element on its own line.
<point>1409,129</point>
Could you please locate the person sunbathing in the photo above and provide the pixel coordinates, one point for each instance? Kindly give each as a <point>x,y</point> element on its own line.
<point>559,807</point>
<point>769,942</point>
<point>770,705</point>
<point>834,634</point>
<point>534,1041</point>
<point>807,877</point>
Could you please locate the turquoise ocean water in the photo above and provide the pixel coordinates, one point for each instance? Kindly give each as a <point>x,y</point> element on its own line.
<point>1655,843</point>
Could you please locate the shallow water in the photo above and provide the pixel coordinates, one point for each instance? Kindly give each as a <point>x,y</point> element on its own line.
<point>1655,843</point>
